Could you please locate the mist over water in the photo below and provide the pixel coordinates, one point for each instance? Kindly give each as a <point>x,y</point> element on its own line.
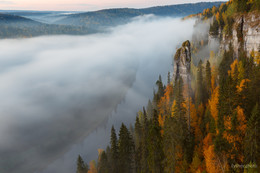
<point>58,92</point>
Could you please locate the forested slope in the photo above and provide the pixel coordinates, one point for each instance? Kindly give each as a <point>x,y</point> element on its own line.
<point>206,118</point>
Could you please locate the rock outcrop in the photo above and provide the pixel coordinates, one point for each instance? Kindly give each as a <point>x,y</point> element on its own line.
<point>182,59</point>
<point>245,34</point>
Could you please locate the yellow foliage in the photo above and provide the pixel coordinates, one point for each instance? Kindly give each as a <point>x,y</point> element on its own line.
<point>172,108</point>
<point>161,122</point>
<point>241,120</point>
<point>256,56</point>
<point>193,115</point>
<point>164,103</point>
<point>92,167</point>
<point>233,67</point>
<point>213,103</point>
<point>211,160</point>
<point>217,16</point>
<point>207,141</point>
<point>243,84</point>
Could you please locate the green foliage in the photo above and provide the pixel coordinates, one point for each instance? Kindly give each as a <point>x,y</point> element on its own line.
<point>213,30</point>
<point>200,92</point>
<point>103,165</point>
<point>126,150</point>
<point>114,151</point>
<point>155,152</point>
<point>252,139</point>
<point>81,166</point>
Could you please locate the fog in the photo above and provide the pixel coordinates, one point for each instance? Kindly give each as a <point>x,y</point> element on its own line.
<point>61,94</point>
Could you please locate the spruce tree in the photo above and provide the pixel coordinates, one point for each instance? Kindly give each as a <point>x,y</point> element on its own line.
<point>138,144</point>
<point>126,150</point>
<point>81,166</point>
<point>252,138</point>
<point>169,78</point>
<point>103,165</point>
<point>199,85</point>
<point>114,151</point>
<point>208,79</point>
<point>155,152</point>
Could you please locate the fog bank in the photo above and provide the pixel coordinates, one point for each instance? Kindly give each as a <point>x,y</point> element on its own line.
<point>56,90</point>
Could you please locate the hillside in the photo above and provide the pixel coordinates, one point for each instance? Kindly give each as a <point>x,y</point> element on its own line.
<point>206,117</point>
<point>13,26</point>
<point>111,17</point>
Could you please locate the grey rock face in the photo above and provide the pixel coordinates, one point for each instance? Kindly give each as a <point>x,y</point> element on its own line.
<point>182,59</point>
<point>245,34</point>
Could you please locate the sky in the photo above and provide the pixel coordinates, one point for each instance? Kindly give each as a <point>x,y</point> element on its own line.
<point>86,5</point>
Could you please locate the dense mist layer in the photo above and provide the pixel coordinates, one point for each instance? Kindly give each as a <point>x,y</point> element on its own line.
<point>56,90</point>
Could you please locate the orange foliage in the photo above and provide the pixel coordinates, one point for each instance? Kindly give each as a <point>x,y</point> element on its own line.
<point>193,115</point>
<point>233,67</point>
<point>235,139</point>
<point>164,103</point>
<point>211,160</point>
<point>207,141</point>
<point>243,84</point>
<point>241,120</point>
<point>161,122</point>
<point>172,108</point>
<point>213,103</point>
<point>214,74</point>
<point>92,167</point>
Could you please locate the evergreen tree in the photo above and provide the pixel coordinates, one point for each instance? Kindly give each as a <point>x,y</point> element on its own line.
<point>160,91</point>
<point>169,78</point>
<point>149,109</point>
<point>214,28</point>
<point>155,153</point>
<point>126,150</point>
<point>199,85</point>
<point>208,79</point>
<point>144,144</point>
<point>103,165</point>
<point>138,144</point>
<point>252,138</point>
<point>114,151</point>
<point>81,166</point>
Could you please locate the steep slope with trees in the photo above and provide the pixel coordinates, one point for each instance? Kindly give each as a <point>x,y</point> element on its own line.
<point>212,127</point>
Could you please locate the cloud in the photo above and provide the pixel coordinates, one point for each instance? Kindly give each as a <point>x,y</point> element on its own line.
<point>56,90</point>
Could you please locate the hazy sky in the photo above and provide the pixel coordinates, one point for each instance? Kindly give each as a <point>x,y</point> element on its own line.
<point>85,5</point>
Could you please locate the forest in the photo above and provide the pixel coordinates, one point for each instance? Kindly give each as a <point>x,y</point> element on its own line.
<point>212,127</point>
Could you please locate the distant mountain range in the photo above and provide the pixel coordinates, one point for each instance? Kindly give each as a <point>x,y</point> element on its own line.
<point>13,26</point>
<point>111,17</point>
<point>34,23</point>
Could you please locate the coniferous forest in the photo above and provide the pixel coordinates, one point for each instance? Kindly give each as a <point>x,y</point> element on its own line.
<point>212,127</point>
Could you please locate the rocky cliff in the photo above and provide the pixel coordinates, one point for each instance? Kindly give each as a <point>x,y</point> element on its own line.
<point>182,59</point>
<point>245,34</point>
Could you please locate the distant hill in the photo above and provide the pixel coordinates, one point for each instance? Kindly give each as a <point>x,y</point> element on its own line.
<point>13,26</point>
<point>111,17</point>
<point>35,23</point>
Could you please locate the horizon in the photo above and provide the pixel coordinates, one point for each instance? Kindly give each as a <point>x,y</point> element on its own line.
<point>48,5</point>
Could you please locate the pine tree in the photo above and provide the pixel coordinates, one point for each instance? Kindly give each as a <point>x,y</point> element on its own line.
<point>252,138</point>
<point>169,78</point>
<point>126,150</point>
<point>81,166</point>
<point>103,165</point>
<point>138,144</point>
<point>114,151</point>
<point>208,79</point>
<point>199,85</point>
<point>144,144</point>
<point>149,109</point>
<point>155,153</point>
